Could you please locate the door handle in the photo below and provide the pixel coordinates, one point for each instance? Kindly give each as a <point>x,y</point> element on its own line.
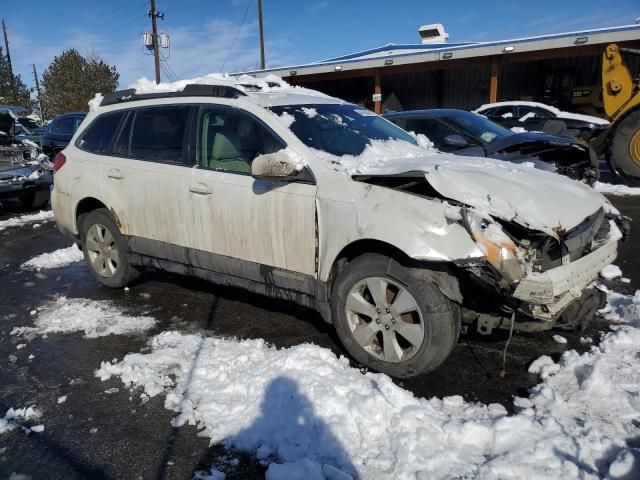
<point>115,174</point>
<point>200,188</point>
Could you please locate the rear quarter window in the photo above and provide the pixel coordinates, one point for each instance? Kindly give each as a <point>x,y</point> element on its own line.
<point>100,134</point>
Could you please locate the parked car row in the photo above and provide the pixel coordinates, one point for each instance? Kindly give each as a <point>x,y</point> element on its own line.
<point>24,174</point>
<point>293,194</point>
<point>470,134</point>
<point>25,153</point>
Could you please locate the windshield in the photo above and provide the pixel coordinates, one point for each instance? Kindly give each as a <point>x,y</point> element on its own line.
<point>481,129</point>
<point>339,129</point>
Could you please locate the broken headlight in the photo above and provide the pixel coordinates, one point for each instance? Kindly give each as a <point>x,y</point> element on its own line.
<point>497,246</point>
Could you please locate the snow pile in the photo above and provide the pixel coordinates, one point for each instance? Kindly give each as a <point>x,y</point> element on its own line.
<point>95,102</point>
<point>305,412</point>
<point>610,272</point>
<point>380,153</point>
<point>42,216</point>
<point>15,416</point>
<point>56,259</point>
<point>620,190</point>
<point>94,318</point>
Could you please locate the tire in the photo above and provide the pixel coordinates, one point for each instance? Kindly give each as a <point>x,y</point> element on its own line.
<point>105,251</point>
<point>623,154</point>
<point>378,340</point>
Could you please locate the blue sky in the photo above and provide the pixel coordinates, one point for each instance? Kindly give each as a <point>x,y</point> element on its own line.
<point>202,31</point>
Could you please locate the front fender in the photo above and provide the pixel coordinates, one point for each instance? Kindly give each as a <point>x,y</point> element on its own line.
<point>416,225</point>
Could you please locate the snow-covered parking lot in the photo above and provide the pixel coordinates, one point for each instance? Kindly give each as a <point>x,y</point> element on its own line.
<point>174,378</point>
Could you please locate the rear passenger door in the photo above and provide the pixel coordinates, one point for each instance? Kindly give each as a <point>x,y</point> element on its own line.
<point>247,223</point>
<point>144,178</point>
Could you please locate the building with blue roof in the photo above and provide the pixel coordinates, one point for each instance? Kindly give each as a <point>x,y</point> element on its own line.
<point>437,74</point>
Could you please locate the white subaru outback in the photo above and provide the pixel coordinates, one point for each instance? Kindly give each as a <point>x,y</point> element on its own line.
<point>293,194</point>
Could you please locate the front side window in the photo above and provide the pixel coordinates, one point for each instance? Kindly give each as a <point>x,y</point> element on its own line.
<point>533,112</point>
<point>158,134</point>
<point>229,140</point>
<point>478,128</point>
<point>339,129</point>
<point>99,136</point>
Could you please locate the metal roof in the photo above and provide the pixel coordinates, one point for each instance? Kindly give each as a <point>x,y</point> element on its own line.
<point>402,54</point>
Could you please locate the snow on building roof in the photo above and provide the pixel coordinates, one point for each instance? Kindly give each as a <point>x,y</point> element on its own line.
<point>398,54</point>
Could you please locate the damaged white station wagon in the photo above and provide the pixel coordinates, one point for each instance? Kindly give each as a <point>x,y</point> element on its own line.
<point>289,193</point>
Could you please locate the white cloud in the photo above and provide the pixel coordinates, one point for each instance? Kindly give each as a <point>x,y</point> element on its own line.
<point>195,49</point>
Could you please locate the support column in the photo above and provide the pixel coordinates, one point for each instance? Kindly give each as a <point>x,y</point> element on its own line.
<point>493,86</point>
<point>377,92</point>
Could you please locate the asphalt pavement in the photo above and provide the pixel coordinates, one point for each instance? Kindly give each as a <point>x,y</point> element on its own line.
<point>106,435</point>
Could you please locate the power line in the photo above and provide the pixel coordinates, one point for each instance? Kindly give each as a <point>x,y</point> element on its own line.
<point>168,68</point>
<point>244,17</point>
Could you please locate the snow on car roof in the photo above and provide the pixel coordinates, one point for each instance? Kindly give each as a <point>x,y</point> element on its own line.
<point>557,112</point>
<point>518,102</point>
<point>267,91</point>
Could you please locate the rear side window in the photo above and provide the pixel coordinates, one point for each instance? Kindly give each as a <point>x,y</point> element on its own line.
<point>99,136</point>
<point>158,134</point>
<point>64,126</point>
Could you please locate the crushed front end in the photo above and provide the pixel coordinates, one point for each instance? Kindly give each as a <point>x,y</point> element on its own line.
<point>545,280</point>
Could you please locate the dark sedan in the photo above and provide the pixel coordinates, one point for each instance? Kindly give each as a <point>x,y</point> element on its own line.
<point>58,133</point>
<point>470,134</point>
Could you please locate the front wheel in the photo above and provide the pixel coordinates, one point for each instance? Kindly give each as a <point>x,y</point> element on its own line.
<point>105,251</point>
<point>624,149</point>
<point>391,319</point>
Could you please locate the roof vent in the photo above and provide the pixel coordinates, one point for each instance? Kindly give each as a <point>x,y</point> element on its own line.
<point>433,33</point>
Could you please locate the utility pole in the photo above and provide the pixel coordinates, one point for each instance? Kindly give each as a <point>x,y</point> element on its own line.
<point>262,65</point>
<point>35,76</point>
<point>6,47</point>
<point>154,37</point>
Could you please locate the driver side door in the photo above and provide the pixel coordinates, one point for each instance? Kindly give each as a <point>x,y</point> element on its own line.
<point>261,230</point>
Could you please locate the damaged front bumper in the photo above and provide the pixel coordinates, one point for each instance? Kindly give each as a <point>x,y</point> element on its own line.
<point>549,293</point>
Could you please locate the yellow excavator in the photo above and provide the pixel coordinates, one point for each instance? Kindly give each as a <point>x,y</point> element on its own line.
<point>620,142</point>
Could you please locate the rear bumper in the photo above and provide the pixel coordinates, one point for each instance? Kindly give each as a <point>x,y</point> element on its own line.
<point>549,293</point>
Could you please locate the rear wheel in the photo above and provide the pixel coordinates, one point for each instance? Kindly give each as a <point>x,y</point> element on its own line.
<point>392,320</point>
<point>105,251</point>
<point>624,149</point>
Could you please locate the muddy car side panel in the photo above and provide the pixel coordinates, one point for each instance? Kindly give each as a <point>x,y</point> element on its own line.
<point>414,225</point>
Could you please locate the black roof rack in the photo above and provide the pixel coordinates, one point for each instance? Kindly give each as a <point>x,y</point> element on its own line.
<point>191,90</point>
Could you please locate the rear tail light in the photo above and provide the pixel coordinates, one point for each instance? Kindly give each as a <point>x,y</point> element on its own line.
<point>59,161</point>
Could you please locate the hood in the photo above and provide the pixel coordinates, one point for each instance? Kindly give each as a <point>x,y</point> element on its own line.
<point>585,118</point>
<point>533,198</point>
<point>523,138</point>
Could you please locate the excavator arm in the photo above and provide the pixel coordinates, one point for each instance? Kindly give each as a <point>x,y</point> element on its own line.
<point>620,92</point>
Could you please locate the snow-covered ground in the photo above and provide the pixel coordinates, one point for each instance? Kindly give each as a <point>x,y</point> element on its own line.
<point>42,216</point>
<point>308,414</point>
<point>56,259</point>
<point>16,417</point>
<point>620,190</point>
<point>94,318</point>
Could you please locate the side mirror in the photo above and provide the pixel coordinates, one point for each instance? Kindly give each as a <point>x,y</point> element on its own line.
<point>455,140</point>
<point>276,165</point>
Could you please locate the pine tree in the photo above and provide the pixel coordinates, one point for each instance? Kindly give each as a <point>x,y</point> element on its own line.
<point>7,96</point>
<point>71,80</point>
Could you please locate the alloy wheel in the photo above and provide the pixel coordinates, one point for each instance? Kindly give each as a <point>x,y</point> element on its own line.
<point>385,319</point>
<point>102,250</point>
